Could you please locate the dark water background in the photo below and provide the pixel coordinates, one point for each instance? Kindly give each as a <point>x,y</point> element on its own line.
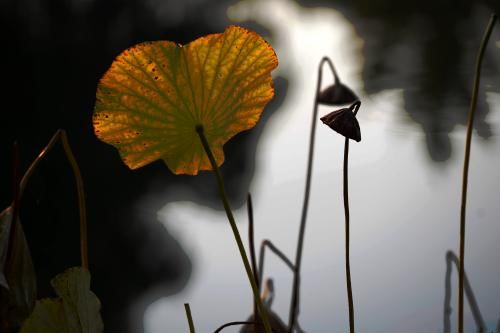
<point>413,58</point>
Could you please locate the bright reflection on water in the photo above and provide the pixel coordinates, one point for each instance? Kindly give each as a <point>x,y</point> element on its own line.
<point>404,210</point>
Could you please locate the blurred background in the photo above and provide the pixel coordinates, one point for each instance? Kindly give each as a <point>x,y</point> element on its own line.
<point>157,241</point>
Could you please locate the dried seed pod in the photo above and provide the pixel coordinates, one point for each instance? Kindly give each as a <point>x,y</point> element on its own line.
<point>337,94</point>
<point>344,122</point>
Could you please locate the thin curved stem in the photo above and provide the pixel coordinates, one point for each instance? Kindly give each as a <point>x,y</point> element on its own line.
<point>470,124</point>
<point>232,222</point>
<point>355,107</point>
<point>189,317</point>
<point>251,244</point>
<point>447,295</point>
<point>332,68</point>
<point>235,323</point>
<point>81,199</point>
<point>347,238</point>
<point>61,135</point>
<point>305,204</point>
<point>38,159</point>
<point>451,258</point>
<point>267,243</point>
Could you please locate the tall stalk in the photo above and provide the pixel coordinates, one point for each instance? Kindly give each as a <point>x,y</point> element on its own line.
<point>61,135</point>
<point>232,222</point>
<point>305,204</point>
<point>470,123</point>
<point>347,230</point>
<point>189,317</point>
<point>251,244</point>
<point>294,304</point>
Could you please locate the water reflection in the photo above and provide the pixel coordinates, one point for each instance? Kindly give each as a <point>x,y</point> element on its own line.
<point>428,50</point>
<point>451,259</point>
<point>404,211</point>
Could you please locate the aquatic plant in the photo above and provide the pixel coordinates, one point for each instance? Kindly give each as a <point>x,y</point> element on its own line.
<point>344,122</point>
<point>252,324</point>
<point>451,258</point>
<point>189,317</point>
<point>181,104</point>
<point>160,100</point>
<point>334,95</point>
<point>465,175</point>
<point>76,308</point>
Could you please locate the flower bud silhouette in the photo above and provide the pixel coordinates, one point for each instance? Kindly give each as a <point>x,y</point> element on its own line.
<point>344,122</point>
<point>337,94</point>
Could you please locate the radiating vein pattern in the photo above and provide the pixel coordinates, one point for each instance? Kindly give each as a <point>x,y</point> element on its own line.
<point>154,94</point>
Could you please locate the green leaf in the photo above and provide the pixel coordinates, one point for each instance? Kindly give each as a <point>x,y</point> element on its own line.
<point>48,317</point>
<point>155,94</point>
<point>76,310</point>
<point>17,274</point>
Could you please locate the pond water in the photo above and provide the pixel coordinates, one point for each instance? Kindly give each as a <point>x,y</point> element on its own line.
<point>404,196</point>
